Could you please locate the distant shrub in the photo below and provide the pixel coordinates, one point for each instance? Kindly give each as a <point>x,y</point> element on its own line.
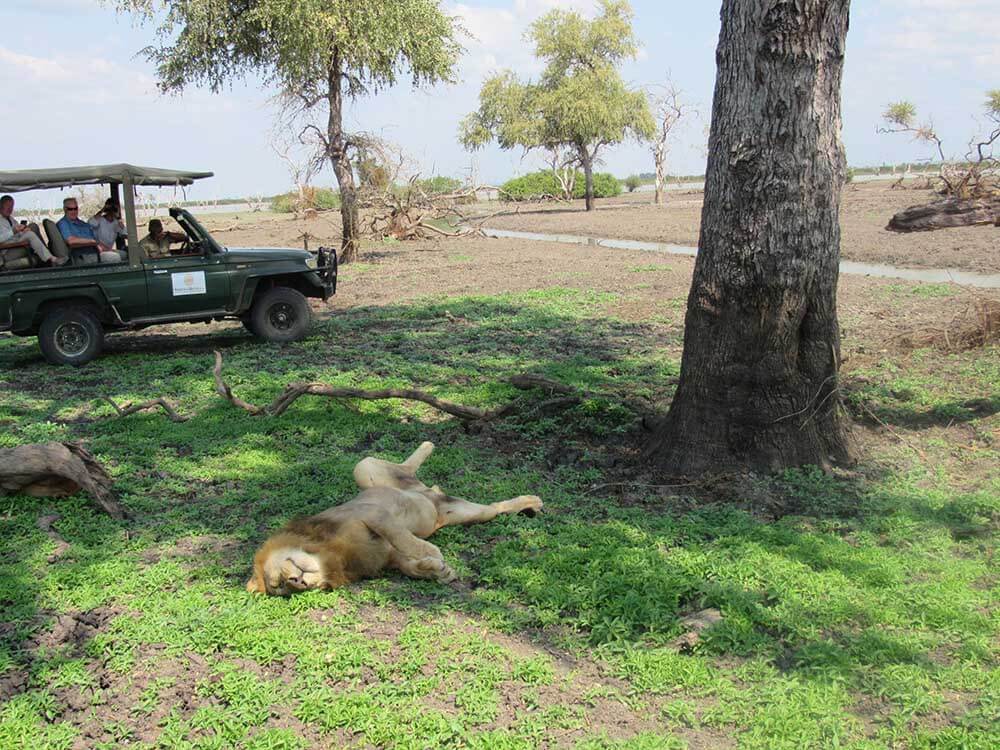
<point>319,198</point>
<point>439,184</point>
<point>632,182</point>
<point>543,183</point>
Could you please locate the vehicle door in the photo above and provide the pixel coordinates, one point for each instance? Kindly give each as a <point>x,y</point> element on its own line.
<point>187,284</point>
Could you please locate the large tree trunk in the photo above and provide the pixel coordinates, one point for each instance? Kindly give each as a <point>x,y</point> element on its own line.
<point>340,161</point>
<point>759,373</point>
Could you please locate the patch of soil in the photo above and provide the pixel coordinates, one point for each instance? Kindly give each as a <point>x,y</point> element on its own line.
<point>865,210</point>
<point>74,629</point>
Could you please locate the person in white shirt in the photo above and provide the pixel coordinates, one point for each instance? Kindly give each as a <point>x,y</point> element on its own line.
<point>14,234</point>
<point>108,227</point>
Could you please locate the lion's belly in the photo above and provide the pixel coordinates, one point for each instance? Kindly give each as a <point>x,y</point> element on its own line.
<point>411,509</point>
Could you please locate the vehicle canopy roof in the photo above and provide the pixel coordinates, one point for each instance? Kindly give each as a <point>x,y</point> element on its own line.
<point>37,179</point>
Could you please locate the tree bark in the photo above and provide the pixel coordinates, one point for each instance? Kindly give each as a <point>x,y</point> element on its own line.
<point>57,470</point>
<point>660,159</point>
<point>587,160</point>
<point>950,212</point>
<point>341,163</point>
<point>759,374</point>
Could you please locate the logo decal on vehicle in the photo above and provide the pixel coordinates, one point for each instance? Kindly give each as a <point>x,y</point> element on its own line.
<point>189,282</point>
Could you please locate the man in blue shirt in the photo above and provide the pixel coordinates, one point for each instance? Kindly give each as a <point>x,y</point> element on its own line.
<point>79,234</point>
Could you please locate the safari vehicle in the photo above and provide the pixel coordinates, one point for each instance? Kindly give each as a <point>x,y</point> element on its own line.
<point>70,307</point>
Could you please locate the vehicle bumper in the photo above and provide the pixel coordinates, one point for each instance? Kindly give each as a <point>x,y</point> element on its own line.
<point>326,271</point>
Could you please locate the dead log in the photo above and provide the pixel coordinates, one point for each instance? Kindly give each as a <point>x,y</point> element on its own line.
<point>57,470</point>
<point>950,212</point>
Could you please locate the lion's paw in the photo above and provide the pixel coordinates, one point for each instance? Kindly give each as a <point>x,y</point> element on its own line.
<point>529,505</point>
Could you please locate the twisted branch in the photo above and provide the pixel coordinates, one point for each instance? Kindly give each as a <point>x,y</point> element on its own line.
<point>567,396</point>
<point>129,408</point>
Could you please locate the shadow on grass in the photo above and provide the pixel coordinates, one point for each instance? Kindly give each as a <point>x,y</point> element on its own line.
<point>823,596</point>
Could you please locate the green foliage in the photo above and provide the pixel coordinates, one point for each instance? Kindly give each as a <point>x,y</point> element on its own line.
<point>439,185</point>
<point>296,44</point>
<point>580,100</point>
<point>632,182</point>
<point>901,113</point>
<point>319,198</point>
<point>543,183</point>
<point>993,101</point>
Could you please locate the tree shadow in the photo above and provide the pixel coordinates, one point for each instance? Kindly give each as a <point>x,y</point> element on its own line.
<point>803,594</point>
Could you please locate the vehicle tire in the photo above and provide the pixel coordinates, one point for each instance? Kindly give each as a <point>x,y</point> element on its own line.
<point>71,336</point>
<point>281,314</point>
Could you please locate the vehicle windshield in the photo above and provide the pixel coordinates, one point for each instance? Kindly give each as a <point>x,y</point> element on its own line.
<point>194,230</point>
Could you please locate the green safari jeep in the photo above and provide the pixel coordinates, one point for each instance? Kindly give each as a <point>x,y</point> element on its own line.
<point>70,307</point>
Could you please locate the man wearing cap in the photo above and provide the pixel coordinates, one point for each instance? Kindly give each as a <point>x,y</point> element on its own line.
<point>156,244</point>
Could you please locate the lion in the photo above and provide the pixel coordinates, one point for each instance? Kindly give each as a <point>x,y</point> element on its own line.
<point>385,526</point>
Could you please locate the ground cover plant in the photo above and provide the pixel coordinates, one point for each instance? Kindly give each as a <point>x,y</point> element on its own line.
<point>859,610</point>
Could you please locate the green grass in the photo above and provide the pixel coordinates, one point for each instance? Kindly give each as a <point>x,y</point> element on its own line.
<point>864,618</point>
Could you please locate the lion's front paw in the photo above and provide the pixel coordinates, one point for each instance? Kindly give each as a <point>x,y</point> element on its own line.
<point>446,575</point>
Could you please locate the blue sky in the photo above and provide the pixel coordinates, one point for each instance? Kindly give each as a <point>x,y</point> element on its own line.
<point>85,95</point>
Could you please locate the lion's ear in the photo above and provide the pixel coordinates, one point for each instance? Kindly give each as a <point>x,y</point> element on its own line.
<point>256,585</point>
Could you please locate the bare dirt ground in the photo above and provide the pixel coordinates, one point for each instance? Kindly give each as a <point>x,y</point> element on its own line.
<point>866,209</point>
<point>873,312</point>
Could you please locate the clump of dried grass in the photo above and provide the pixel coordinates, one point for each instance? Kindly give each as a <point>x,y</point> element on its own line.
<point>977,325</point>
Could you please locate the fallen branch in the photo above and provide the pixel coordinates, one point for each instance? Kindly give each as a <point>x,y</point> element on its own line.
<point>57,470</point>
<point>129,408</point>
<point>45,523</point>
<point>568,396</point>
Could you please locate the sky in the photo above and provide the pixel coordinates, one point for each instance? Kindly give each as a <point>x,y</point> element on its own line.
<point>78,91</point>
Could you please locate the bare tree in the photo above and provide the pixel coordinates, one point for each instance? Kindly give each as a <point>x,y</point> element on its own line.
<point>977,175</point>
<point>302,165</point>
<point>667,104</point>
<point>563,162</point>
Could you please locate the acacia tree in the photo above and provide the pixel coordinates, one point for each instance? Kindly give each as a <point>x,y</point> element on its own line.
<point>668,106</point>
<point>580,103</point>
<point>317,53</point>
<point>759,374</point>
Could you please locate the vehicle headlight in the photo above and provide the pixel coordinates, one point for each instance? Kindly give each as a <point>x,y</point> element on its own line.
<point>312,262</point>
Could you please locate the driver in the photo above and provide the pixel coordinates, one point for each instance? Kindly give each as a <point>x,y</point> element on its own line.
<point>156,244</point>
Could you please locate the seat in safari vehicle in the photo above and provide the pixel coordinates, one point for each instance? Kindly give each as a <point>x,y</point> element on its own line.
<point>16,258</point>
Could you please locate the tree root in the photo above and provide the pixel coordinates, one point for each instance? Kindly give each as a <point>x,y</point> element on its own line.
<point>57,470</point>
<point>129,408</point>
<point>564,396</point>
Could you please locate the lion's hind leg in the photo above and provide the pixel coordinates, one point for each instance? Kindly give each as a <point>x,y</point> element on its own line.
<point>454,511</point>
<point>376,472</point>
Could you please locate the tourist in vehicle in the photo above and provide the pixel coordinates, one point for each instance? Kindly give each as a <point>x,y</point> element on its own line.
<point>15,234</point>
<point>156,244</point>
<point>108,226</point>
<point>79,234</point>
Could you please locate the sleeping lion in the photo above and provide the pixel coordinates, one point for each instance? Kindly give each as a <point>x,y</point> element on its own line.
<point>385,526</point>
